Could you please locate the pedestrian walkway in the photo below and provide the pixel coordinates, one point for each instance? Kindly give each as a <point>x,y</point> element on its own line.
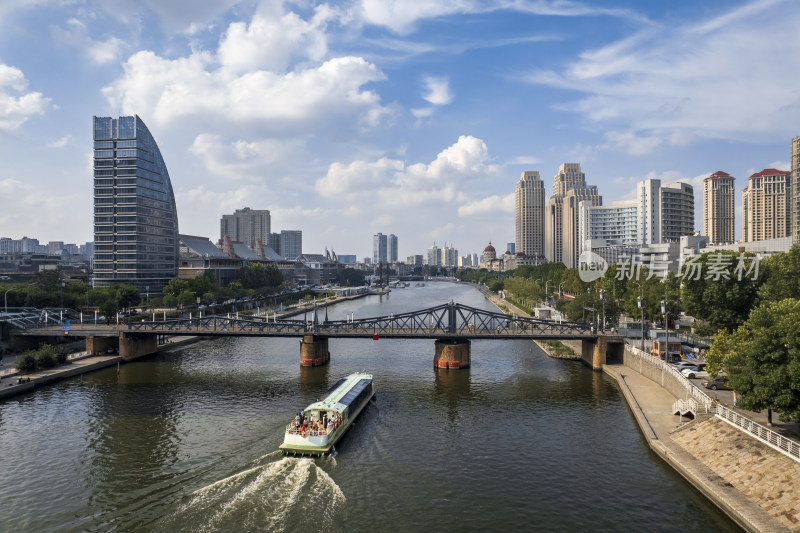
<point>726,484</point>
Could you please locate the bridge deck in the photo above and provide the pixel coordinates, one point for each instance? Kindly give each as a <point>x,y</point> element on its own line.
<point>445,321</point>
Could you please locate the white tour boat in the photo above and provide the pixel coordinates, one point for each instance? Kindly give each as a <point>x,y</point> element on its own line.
<point>319,427</point>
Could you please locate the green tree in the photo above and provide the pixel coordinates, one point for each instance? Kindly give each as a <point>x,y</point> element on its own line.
<point>780,276</point>
<point>718,295</point>
<point>763,361</point>
<point>204,283</point>
<point>187,297</point>
<point>127,296</point>
<point>176,286</point>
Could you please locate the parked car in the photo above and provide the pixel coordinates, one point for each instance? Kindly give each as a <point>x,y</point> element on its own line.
<point>680,365</point>
<point>672,357</point>
<point>719,382</point>
<point>694,372</point>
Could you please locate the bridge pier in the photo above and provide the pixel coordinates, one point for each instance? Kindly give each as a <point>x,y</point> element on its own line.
<point>314,351</point>
<point>452,353</point>
<point>594,352</point>
<point>134,346</point>
<point>101,345</point>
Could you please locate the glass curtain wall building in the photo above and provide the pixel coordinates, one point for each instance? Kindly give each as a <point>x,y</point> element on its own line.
<point>135,217</point>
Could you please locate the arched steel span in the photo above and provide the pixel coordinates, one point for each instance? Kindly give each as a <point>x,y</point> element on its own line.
<point>450,320</point>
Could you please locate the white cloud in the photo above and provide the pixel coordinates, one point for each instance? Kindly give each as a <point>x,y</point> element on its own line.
<point>60,143</point>
<point>490,205</point>
<point>781,165</point>
<point>169,89</point>
<point>388,185</point>
<point>16,110</point>
<point>272,39</point>
<point>437,90</point>
<point>675,84</point>
<point>77,34</point>
<point>633,143</point>
<point>241,159</point>
<point>401,15</point>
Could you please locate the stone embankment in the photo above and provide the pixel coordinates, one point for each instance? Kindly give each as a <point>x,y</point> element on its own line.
<point>755,485</point>
<point>763,474</point>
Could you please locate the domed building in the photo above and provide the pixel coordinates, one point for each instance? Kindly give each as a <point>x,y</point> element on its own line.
<point>490,260</point>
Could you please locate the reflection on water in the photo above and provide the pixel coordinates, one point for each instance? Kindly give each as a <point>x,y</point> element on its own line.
<point>187,441</point>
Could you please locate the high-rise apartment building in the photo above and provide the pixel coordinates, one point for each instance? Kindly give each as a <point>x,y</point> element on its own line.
<point>718,208</point>
<point>434,255</point>
<point>561,241</point>
<point>570,212</point>
<point>529,199</point>
<point>291,243</point>
<point>794,191</point>
<point>766,206</point>
<point>380,243</point>
<point>617,223</point>
<point>391,248</point>
<point>665,213</point>
<point>248,226</point>
<point>448,256</point>
<point>677,211</point>
<point>135,217</point>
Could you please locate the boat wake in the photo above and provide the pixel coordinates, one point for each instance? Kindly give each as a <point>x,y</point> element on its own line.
<point>284,495</point>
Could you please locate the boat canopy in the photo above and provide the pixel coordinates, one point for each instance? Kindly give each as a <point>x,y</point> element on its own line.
<point>342,394</point>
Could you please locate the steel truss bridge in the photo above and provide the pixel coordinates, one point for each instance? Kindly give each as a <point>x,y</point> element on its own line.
<point>450,320</point>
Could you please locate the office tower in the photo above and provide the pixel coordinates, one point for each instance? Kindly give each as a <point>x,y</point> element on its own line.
<point>135,217</point>
<point>766,204</point>
<point>248,226</point>
<point>665,213</point>
<point>718,210</point>
<point>291,244</point>
<point>379,245</point>
<point>570,211</point>
<point>794,191</point>
<point>391,248</point>
<point>274,242</point>
<point>529,210</point>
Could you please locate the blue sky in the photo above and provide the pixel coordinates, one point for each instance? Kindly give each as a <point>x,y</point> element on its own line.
<point>412,117</point>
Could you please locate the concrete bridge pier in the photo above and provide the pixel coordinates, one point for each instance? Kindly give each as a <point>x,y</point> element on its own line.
<point>452,353</point>
<point>128,346</point>
<point>594,352</point>
<point>314,351</point>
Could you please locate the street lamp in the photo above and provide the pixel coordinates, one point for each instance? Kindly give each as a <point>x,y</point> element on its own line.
<point>640,303</point>
<point>545,288</point>
<point>603,301</point>
<point>560,293</point>
<point>666,326</point>
<point>6,298</point>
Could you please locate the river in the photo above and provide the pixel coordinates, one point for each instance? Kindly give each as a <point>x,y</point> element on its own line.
<point>187,440</point>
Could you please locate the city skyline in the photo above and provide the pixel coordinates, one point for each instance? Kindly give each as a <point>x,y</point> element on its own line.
<point>342,120</point>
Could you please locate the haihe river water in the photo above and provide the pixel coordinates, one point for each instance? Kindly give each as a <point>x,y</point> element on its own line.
<point>187,440</point>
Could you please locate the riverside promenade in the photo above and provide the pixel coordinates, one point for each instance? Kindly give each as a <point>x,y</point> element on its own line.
<point>757,486</point>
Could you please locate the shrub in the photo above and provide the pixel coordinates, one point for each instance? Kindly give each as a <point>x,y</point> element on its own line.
<point>45,359</point>
<point>61,354</point>
<point>26,362</point>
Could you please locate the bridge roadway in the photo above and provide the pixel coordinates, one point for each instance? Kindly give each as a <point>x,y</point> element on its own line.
<point>451,321</point>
